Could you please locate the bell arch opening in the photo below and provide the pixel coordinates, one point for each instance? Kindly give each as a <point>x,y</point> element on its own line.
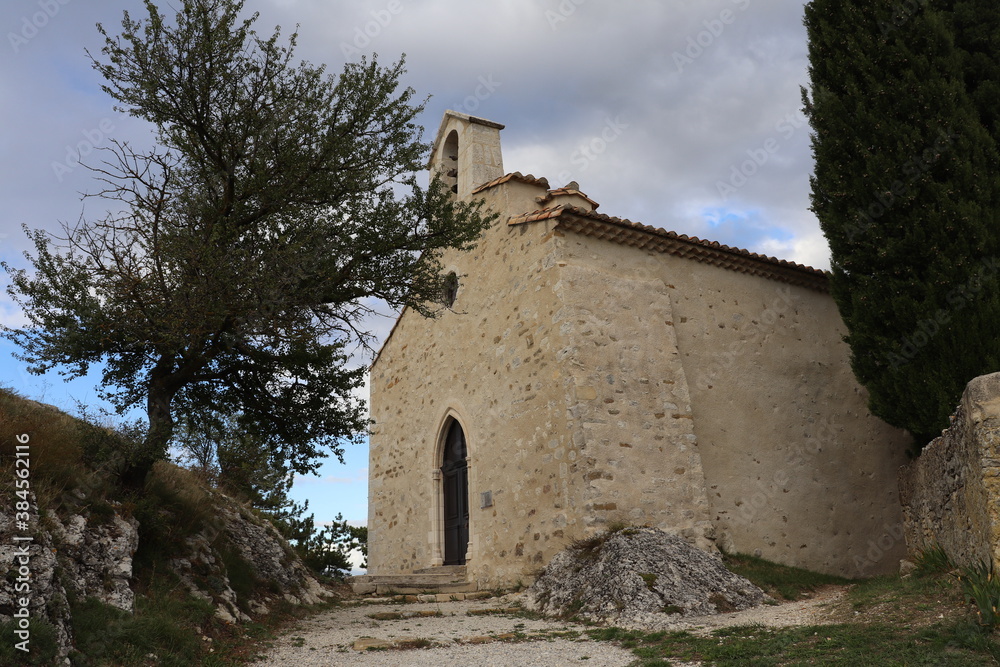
<point>449,161</point>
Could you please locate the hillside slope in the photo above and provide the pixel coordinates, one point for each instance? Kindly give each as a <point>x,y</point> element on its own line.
<point>94,574</point>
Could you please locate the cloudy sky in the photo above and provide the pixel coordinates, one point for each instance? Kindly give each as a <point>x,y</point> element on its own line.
<point>680,114</point>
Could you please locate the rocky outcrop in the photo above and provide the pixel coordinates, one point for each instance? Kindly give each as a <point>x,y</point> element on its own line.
<point>951,493</point>
<point>239,544</point>
<point>638,577</point>
<point>96,555</point>
<point>237,561</point>
<point>83,556</point>
<point>72,547</point>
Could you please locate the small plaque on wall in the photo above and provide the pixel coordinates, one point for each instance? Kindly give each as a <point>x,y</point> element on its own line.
<point>485,499</point>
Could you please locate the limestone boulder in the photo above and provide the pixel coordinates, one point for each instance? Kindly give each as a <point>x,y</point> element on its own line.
<point>638,577</point>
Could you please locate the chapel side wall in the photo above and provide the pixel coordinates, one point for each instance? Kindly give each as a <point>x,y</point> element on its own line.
<point>637,457</point>
<point>797,468</point>
<point>487,363</point>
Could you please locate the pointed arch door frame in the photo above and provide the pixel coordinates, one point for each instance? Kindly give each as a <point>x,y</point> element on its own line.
<point>448,532</point>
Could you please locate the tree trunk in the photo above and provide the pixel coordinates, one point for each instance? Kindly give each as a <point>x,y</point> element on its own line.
<point>162,389</point>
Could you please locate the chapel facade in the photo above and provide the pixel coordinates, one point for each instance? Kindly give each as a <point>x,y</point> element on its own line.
<point>591,371</point>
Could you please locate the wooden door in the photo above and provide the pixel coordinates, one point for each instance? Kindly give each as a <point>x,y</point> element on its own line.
<point>455,479</point>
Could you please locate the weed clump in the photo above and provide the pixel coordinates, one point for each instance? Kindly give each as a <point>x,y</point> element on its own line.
<point>932,561</point>
<point>981,588</point>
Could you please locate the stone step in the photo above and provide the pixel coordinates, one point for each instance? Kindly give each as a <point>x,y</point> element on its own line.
<point>428,580</point>
<point>458,571</point>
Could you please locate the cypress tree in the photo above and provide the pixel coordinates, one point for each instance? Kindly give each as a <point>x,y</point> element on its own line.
<point>906,192</point>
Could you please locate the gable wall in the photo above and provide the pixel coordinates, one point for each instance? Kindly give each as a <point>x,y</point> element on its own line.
<point>488,365</point>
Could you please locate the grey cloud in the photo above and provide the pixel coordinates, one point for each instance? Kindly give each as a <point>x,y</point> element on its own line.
<point>554,83</point>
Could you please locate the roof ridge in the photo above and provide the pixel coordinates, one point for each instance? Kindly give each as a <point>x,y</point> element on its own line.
<point>513,176</point>
<point>814,278</point>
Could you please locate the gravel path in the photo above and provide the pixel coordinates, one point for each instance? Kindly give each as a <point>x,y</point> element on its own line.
<point>473,634</point>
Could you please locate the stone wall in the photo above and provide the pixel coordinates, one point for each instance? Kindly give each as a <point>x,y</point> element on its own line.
<point>630,409</point>
<point>487,364</point>
<point>756,379</point>
<point>951,493</point>
<point>601,378</point>
<point>599,384</point>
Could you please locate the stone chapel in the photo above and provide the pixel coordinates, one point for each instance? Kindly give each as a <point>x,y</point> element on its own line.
<point>592,371</point>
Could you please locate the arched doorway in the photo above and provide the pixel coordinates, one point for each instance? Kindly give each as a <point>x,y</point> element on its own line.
<point>455,487</point>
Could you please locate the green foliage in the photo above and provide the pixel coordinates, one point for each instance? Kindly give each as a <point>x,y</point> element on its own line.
<point>782,581</point>
<point>324,550</point>
<point>241,253</point>
<point>887,628</point>
<point>981,588</point>
<point>73,472</point>
<point>226,450</point>
<point>42,646</point>
<point>904,118</point>
<point>242,576</point>
<point>172,507</point>
<point>845,645</point>
<point>161,625</point>
<point>932,561</point>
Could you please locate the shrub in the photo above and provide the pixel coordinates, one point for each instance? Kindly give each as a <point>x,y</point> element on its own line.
<point>932,561</point>
<point>981,588</point>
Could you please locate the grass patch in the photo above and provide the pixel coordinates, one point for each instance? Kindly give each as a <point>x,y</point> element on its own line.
<point>242,576</point>
<point>886,621</point>
<point>932,561</point>
<point>588,549</point>
<point>385,616</point>
<point>981,588</point>
<point>161,626</point>
<point>57,458</point>
<point>848,645</point>
<point>42,648</point>
<point>780,581</point>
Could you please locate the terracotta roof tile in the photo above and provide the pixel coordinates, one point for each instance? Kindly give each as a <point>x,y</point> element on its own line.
<point>626,232</point>
<point>516,176</point>
<point>565,191</point>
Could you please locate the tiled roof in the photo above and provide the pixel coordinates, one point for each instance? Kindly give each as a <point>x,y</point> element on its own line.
<point>551,194</point>
<point>516,176</point>
<point>626,232</point>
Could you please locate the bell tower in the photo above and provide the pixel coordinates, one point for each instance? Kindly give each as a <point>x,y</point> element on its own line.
<point>466,152</point>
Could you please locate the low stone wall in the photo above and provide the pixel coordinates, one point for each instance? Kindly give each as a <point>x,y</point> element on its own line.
<point>951,493</point>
